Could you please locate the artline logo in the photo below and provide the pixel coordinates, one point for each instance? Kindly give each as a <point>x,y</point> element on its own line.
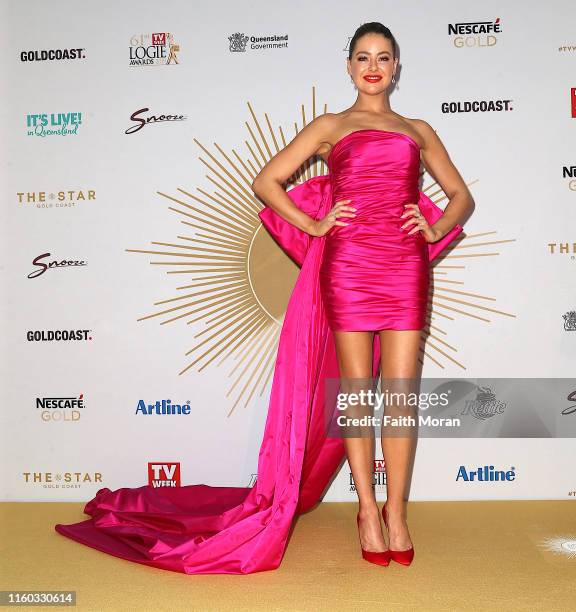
<point>475,33</point>
<point>60,408</point>
<point>378,476</point>
<point>158,49</point>
<point>52,54</point>
<point>238,41</point>
<point>569,172</point>
<point>53,124</point>
<point>42,266</point>
<point>163,475</point>
<point>164,407</point>
<point>486,473</point>
<point>62,480</point>
<point>477,106</point>
<point>569,320</point>
<point>58,335</point>
<point>485,405</point>
<point>562,248</point>
<point>67,198</point>
<point>140,122</point>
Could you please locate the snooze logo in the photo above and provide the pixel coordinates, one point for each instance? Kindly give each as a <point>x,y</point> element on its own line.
<point>571,398</point>
<point>475,33</point>
<point>487,473</point>
<point>140,122</point>
<point>163,474</point>
<point>42,266</point>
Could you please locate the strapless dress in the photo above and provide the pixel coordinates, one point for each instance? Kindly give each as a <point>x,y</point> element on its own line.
<point>374,275</point>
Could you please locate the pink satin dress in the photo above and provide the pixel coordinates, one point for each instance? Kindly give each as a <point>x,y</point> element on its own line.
<point>212,529</point>
<point>375,275</point>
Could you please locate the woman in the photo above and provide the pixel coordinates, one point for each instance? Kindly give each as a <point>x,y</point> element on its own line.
<point>327,332</point>
<point>374,157</point>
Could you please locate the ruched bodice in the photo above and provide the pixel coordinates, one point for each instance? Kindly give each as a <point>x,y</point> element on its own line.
<point>374,274</point>
<point>378,170</point>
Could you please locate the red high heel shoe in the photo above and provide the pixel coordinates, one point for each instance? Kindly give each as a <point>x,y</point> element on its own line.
<point>404,557</point>
<point>379,558</point>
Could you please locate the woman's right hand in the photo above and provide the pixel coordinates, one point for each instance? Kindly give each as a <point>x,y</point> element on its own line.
<point>322,226</point>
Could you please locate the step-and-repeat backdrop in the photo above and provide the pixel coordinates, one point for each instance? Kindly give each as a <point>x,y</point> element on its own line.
<point>142,299</point>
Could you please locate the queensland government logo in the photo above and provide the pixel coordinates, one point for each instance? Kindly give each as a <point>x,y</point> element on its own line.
<point>53,124</point>
<point>157,49</point>
<point>163,474</point>
<point>475,33</point>
<point>238,42</point>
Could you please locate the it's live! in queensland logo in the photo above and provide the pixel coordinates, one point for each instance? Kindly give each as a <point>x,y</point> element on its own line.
<point>53,124</point>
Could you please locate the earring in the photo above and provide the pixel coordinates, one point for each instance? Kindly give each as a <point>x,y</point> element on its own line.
<point>393,78</point>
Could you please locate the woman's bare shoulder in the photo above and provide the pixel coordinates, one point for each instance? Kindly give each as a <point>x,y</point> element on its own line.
<point>424,130</point>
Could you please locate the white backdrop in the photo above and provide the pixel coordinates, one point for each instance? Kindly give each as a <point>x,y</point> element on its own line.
<point>224,85</point>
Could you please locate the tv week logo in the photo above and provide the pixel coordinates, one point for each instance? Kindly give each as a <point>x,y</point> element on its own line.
<point>163,474</point>
<point>573,101</point>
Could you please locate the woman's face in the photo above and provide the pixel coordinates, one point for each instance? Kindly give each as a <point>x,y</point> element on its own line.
<point>372,64</point>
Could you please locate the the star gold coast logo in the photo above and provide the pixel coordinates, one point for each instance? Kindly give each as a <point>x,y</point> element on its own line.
<point>237,280</point>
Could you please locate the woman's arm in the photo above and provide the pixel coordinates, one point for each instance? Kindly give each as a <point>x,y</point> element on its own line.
<point>438,163</point>
<point>268,183</point>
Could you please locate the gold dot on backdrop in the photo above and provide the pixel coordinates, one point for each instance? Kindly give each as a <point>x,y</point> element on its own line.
<point>272,274</point>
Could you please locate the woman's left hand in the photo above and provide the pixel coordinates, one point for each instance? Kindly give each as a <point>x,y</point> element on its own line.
<point>417,219</point>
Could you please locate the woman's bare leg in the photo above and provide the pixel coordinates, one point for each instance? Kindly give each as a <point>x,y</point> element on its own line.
<point>399,350</point>
<point>354,351</point>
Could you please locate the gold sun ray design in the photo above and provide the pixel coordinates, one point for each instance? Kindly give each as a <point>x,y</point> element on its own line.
<point>238,280</point>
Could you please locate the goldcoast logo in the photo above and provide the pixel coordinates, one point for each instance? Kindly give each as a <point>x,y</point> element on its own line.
<point>236,280</point>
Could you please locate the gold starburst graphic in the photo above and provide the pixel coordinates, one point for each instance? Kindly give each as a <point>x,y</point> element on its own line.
<point>238,280</point>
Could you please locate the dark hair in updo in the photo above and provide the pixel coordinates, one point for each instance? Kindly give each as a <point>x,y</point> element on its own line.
<point>372,27</point>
